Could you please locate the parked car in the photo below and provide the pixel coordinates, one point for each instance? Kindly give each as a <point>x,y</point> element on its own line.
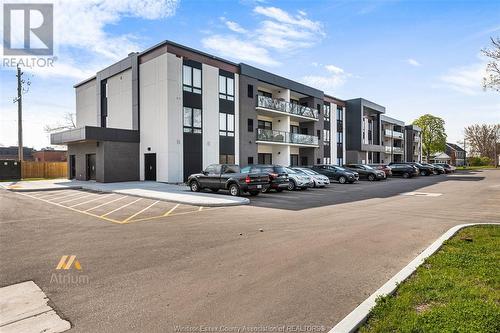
<point>438,170</point>
<point>298,180</point>
<point>278,178</point>
<point>336,173</point>
<point>404,170</point>
<point>228,177</point>
<point>366,171</point>
<point>447,168</point>
<point>384,167</point>
<point>319,180</point>
<point>424,170</point>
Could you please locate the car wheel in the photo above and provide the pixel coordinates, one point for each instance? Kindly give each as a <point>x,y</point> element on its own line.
<point>291,185</point>
<point>254,193</point>
<point>423,173</point>
<point>194,186</point>
<point>215,190</point>
<point>265,189</point>
<point>279,190</point>
<point>342,180</point>
<point>371,177</point>
<point>406,175</point>
<point>234,190</point>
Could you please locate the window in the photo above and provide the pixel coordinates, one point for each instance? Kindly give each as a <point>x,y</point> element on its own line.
<point>267,125</point>
<point>250,91</point>
<point>250,160</point>
<point>318,107</point>
<point>326,160</point>
<point>326,112</point>
<point>265,158</point>
<point>226,88</point>
<point>294,129</point>
<point>318,160</point>
<point>226,159</point>
<point>340,114</point>
<point>318,134</point>
<point>191,79</point>
<point>192,120</point>
<point>294,159</point>
<point>340,137</point>
<point>226,124</point>
<point>264,93</point>
<point>294,101</point>
<point>250,125</point>
<point>340,161</point>
<point>326,134</point>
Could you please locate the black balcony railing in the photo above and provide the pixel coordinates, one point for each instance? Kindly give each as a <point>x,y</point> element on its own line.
<point>286,137</point>
<point>283,106</point>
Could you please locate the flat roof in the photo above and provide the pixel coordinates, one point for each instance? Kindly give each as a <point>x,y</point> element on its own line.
<point>388,119</point>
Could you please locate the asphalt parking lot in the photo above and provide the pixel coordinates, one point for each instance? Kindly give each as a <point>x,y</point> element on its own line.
<point>251,266</point>
<point>113,207</point>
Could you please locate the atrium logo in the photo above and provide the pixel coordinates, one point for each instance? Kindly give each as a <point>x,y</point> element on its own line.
<point>28,29</point>
<point>67,261</point>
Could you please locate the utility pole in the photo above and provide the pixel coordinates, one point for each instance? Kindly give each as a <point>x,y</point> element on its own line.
<point>19,101</point>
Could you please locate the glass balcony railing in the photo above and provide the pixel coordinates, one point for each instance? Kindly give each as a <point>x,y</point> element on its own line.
<point>286,137</point>
<point>393,134</point>
<point>287,107</point>
<point>393,150</point>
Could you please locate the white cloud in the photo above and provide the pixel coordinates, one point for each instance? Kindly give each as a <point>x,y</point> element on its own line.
<point>413,62</point>
<point>336,77</point>
<point>466,80</point>
<point>231,46</point>
<point>276,31</point>
<point>233,26</point>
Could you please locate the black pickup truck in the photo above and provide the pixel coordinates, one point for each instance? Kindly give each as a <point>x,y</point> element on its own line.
<point>228,177</point>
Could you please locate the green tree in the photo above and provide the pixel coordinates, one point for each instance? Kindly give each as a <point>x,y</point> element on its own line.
<point>433,134</point>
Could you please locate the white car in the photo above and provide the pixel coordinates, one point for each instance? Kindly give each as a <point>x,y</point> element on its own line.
<point>318,179</point>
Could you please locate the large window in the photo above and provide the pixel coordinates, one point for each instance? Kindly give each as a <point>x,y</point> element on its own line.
<point>226,124</point>
<point>265,158</point>
<point>226,88</point>
<point>267,125</point>
<point>191,79</point>
<point>326,135</point>
<point>340,161</point>
<point>327,160</point>
<point>226,159</point>
<point>326,112</point>
<point>340,137</point>
<point>340,114</point>
<point>192,120</point>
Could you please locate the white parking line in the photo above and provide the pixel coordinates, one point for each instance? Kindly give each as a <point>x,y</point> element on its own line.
<point>84,196</point>
<point>65,195</point>
<point>99,196</point>
<point>139,212</point>
<point>106,203</point>
<point>117,209</point>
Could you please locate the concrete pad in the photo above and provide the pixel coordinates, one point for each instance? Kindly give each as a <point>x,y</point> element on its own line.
<point>24,308</point>
<point>147,189</point>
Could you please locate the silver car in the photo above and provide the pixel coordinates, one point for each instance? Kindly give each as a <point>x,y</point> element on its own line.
<point>319,180</point>
<point>298,179</point>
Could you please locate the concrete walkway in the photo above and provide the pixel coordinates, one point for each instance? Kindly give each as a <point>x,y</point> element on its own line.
<point>151,190</point>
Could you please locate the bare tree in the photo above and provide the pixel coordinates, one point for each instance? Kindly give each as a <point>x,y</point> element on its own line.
<point>68,123</point>
<point>482,139</point>
<point>492,79</point>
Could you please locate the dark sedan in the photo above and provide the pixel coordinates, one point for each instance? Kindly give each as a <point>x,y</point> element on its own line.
<point>366,171</point>
<point>278,177</point>
<point>336,173</point>
<point>404,170</point>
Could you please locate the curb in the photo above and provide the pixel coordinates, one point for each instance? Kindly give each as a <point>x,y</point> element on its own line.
<point>46,189</point>
<point>358,316</point>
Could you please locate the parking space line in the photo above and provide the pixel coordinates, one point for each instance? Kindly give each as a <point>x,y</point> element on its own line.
<point>64,196</point>
<point>98,197</point>
<point>139,212</point>
<point>117,209</point>
<point>171,210</point>
<point>85,196</point>
<point>54,194</point>
<point>73,209</point>
<point>183,213</point>
<point>106,203</point>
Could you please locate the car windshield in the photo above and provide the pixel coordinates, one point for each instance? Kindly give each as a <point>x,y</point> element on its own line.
<point>368,167</point>
<point>309,171</point>
<point>339,168</point>
<point>291,171</point>
<point>279,169</point>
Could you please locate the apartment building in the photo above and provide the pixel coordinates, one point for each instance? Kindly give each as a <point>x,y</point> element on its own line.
<point>364,141</point>
<point>393,138</point>
<point>169,111</point>
<point>413,143</point>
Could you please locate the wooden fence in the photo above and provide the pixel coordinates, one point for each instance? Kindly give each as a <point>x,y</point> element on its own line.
<point>30,169</point>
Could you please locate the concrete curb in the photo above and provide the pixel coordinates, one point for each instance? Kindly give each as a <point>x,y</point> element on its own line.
<point>358,316</point>
<point>43,189</point>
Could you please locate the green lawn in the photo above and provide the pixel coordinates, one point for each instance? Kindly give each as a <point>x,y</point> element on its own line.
<point>455,290</point>
<point>476,167</point>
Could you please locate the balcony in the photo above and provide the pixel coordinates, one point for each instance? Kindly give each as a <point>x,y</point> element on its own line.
<point>416,139</point>
<point>275,105</point>
<point>393,134</point>
<point>393,150</point>
<point>281,137</point>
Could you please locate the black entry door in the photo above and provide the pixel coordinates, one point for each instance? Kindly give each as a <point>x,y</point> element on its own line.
<point>90,166</point>
<point>150,167</point>
<point>72,167</point>
<point>193,161</point>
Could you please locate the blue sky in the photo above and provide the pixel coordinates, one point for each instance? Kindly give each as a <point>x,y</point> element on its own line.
<point>414,57</point>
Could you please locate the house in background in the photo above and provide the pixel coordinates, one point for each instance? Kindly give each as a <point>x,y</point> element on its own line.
<point>456,153</point>
<point>50,155</point>
<point>440,158</point>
